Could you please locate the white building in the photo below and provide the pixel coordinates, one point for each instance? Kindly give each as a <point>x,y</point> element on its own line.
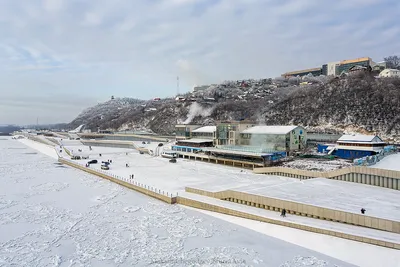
<point>389,73</point>
<point>332,67</point>
<point>205,132</point>
<point>275,137</point>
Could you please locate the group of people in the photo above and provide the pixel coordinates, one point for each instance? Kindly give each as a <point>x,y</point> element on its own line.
<point>283,212</point>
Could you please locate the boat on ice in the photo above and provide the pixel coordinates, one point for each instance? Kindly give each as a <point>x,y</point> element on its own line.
<point>169,154</point>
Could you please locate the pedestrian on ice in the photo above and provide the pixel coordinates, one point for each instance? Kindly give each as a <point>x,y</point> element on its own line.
<point>363,211</point>
<point>283,214</point>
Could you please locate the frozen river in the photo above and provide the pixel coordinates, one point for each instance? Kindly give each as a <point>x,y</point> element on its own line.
<point>52,215</point>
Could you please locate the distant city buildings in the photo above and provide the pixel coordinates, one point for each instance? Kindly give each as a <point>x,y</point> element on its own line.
<point>338,67</point>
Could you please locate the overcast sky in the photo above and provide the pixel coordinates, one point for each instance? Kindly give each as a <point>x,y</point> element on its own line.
<point>58,57</point>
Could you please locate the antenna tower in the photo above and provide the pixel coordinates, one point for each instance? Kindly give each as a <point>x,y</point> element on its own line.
<point>177,85</point>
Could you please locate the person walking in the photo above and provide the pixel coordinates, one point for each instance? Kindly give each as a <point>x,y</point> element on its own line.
<point>283,214</point>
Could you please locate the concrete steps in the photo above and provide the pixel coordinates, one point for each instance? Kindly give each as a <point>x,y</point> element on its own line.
<point>351,232</point>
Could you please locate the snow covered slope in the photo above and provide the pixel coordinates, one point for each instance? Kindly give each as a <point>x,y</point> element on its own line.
<point>361,104</point>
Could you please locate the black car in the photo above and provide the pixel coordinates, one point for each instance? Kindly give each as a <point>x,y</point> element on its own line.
<point>93,161</point>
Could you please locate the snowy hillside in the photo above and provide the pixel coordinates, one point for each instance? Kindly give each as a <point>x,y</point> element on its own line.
<point>349,104</point>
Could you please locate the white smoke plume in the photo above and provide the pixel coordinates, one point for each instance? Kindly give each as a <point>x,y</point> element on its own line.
<point>197,110</point>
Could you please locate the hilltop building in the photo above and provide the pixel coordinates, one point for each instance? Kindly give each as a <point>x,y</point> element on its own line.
<point>313,71</point>
<point>345,65</point>
<point>389,73</point>
<point>379,66</point>
<point>336,68</point>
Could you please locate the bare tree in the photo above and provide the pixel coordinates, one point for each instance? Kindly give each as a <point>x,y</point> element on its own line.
<point>393,62</point>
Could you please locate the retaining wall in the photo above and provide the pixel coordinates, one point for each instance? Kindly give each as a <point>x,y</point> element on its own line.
<point>219,209</point>
<point>112,178</point>
<point>121,136</point>
<point>119,144</point>
<point>363,175</point>
<point>302,209</point>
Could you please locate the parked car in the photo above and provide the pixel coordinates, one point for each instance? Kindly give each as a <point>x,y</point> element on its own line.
<point>93,161</point>
<point>76,157</point>
<point>105,167</point>
<point>172,160</point>
<point>160,144</point>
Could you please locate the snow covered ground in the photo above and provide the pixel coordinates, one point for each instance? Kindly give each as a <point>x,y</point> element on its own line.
<point>339,195</point>
<point>391,162</point>
<point>317,165</point>
<point>174,177</point>
<point>53,215</point>
<point>359,254</point>
<point>356,253</point>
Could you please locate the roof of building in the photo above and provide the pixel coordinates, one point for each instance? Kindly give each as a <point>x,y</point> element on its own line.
<point>390,70</point>
<point>302,71</point>
<point>197,141</point>
<point>270,129</point>
<point>361,59</point>
<point>205,129</point>
<point>360,138</point>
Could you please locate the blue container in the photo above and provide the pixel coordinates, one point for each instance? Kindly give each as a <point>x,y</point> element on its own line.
<point>322,148</point>
<point>352,154</point>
